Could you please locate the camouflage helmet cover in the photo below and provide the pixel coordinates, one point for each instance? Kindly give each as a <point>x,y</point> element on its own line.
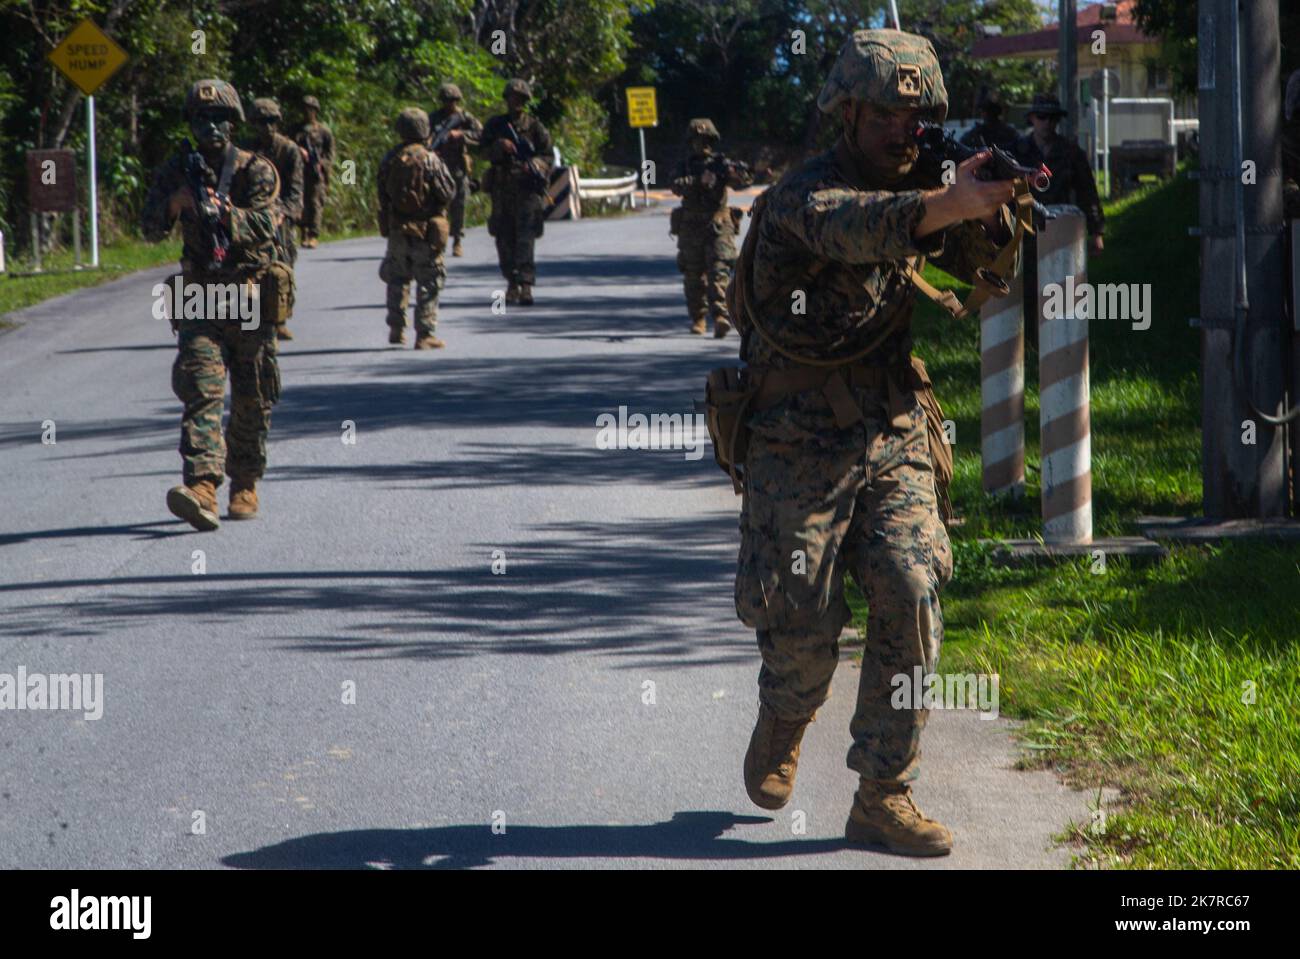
<point>213,93</point>
<point>703,127</point>
<point>890,68</point>
<point>520,87</point>
<point>413,124</point>
<point>449,91</point>
<point>311,103</point>
<point>265,108</point>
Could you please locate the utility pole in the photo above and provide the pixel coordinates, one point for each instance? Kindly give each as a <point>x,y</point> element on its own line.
<point>1244,344</point>
<point>1068,60</point>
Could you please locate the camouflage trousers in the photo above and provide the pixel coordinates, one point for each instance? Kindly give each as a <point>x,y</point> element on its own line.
<point>313,207</point>
<point>705,256</point>
<point>456,208</point>
<point>412,258</point>
<point>516,223</point>
<point>206,351</point>
<point>815,508</point>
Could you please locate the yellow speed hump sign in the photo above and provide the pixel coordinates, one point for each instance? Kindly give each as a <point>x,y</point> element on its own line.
<point>642,111</point>
<point>88,56</point>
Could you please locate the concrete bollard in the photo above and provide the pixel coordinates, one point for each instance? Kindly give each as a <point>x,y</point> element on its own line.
<point>1002,392</point>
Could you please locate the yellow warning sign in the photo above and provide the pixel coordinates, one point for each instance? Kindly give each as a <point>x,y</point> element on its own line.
<point>642,110</point>
<point>88,56</point>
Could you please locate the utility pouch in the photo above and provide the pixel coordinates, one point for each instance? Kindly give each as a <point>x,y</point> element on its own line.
<point>728,392</point>
<point>675,221</point>
<point>737,216</point>
<point>439,233</point>
<point>940,451</point>
<point>276,294</point>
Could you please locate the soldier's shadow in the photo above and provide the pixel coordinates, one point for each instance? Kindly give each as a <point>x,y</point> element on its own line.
<point>687,836</point>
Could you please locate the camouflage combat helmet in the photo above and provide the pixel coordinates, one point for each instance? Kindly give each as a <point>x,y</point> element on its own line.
<point>413,124</point>
<point>265,108</point>
<point>520,87</point>
<point>449,91</point>
<point>889,68</point>
<point>213,93</point>
<point>703,127</point>
<point>311,103</point>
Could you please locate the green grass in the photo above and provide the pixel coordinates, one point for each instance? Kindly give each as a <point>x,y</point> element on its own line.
<point>1134,677</point>
<point>18,290</point>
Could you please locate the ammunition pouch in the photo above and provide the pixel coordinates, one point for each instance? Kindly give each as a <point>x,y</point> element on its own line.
<point>728,393</point>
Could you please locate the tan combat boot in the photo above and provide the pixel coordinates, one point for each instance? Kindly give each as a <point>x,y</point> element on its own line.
<point>721,327</point>
<point>883,814</point>
<point>243,499</point>
<point>396,335</point>
<point>196,503</point>
<point>699,326</point>
<point>525,294</point>
<point>429,342</point>
<point>512,292</point>
<point>773,758</point>
<point>282,333</point>
<point>457,249</point>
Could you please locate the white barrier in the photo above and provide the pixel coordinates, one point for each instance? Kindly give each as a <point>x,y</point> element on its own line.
<point>611,188</point>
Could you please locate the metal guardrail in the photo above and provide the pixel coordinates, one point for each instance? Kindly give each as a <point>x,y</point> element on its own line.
<point>609,188</point>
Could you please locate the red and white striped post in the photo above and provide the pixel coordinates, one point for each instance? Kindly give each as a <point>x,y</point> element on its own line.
<point>1065,446</point>
<point>1002,392</point>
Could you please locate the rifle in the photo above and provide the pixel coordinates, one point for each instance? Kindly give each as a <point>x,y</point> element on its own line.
<point>440,135</point>
<point>937,146</point>
<point>198,175</point>
<point>719,165</point>
<point>313,161</point>
<point>525,151</point>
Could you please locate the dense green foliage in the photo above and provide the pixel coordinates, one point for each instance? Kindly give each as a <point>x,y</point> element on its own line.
<point>737,61</point>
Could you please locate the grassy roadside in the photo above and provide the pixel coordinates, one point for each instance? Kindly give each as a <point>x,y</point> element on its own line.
<point>1175,683</point>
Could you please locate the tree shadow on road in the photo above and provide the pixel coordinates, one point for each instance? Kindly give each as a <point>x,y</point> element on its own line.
<point>688,836</point>
<point>647,593</point>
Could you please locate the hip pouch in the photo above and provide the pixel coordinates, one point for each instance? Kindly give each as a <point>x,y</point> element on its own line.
<point>439,233</point>
<point>728,392</point>
<point>675,221</point>
<point>276,294</point>
<point>940,452</point>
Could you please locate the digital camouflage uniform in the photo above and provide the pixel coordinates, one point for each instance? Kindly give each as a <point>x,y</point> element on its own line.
<point>287,157</point>
<point>455,153</point>
<point>209,347</point>
<point>320,138</point>
<point>1072,179</point>
<point>415,242</point>
<point>706,233</point>
<point>518,208</point>
<point>845,487</point>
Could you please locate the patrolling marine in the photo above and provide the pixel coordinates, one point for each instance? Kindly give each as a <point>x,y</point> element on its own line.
<point>705,226</point>
<point>225,199</point>
<point>270,143</point>
<point>520,150</point>
<point>453,130</point>
<point>1072,179</point>
<point>992,130</point>
<point>414,189</point>
<point>840,476</point>
<point>317,142</point>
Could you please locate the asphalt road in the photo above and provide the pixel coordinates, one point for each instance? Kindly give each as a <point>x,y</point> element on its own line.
<point>514,698</point>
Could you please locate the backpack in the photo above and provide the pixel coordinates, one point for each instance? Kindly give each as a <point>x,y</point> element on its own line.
<point>407,183</point>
